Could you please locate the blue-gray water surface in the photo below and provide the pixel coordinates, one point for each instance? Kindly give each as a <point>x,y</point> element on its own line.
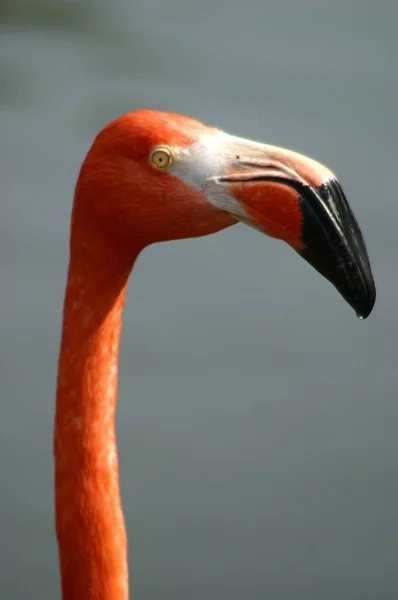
<point>257,416</point>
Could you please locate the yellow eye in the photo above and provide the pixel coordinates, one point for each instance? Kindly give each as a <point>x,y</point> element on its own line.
<point>161,158</point>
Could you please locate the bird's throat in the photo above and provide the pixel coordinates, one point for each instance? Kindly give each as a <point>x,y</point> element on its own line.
<point>89,518</point>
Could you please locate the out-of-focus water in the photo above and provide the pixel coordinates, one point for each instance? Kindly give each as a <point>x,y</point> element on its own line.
<point>258,418</point>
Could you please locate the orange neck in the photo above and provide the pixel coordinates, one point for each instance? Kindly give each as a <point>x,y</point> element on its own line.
<point>89,518</point>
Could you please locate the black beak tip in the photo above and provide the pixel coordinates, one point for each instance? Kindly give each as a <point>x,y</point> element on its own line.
<point>354,282</point>
<point>363,299</point>
<point>335,247</point>
<point>367,307</point>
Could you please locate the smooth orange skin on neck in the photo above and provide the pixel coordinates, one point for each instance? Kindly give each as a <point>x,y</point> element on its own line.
<point>89,518</point>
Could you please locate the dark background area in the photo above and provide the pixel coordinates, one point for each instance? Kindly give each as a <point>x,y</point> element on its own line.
<point>257,417</point>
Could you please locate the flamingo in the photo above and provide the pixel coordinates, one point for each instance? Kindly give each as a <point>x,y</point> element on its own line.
<point>151,177</point>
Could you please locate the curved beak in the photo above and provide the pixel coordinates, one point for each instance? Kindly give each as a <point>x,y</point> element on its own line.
<point>291,197</point>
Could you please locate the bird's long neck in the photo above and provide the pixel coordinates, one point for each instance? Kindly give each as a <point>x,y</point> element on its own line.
<point>89,518</point>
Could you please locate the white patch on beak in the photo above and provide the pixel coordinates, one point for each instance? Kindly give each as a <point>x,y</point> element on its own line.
<point>201,166</point>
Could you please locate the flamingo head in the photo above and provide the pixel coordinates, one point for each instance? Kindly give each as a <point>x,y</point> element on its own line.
<point>152,176</point>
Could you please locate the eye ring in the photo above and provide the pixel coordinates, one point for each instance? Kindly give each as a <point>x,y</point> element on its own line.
<point>161,158</point>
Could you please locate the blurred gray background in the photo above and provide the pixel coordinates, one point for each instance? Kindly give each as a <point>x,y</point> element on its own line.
<point>258,417</point>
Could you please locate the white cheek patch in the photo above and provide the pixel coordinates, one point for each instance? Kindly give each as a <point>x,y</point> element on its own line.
<point>201,161</point>
<point>201,166</point>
